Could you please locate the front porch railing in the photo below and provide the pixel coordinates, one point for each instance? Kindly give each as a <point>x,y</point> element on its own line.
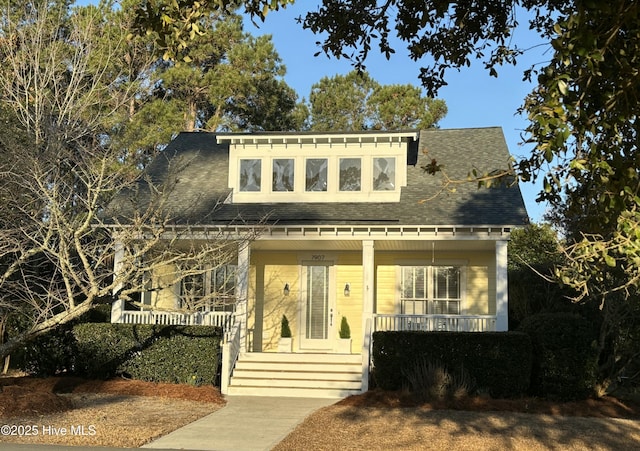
<point>220,319</point>
<point>428,323</point>
<point>230,352</point>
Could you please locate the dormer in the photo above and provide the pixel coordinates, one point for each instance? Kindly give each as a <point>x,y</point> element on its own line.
<point>318,167</point>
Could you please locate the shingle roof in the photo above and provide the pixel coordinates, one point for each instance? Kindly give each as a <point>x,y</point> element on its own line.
<point>195,166</point>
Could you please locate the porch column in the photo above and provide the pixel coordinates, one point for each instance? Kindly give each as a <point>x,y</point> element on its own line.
<point>368,295</point>
<point>117,307</point>
<point>502,287</point>
<point>242,292</point>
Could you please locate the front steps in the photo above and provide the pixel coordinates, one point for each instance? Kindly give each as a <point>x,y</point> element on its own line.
<point>297,375</point>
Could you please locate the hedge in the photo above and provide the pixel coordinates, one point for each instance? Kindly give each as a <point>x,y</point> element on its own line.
<point>179,354</point>
<point>500,362</point>
<point>565,358</point>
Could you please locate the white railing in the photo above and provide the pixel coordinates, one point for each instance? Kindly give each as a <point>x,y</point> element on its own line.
<point>220,319</point>
<point>230,353</point>
<point>428,323</point>
<point>366,354</point>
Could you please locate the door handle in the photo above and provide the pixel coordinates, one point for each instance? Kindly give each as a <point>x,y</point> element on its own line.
<point>330,317</point>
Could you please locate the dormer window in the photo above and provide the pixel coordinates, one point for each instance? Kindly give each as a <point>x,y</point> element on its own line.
<point>283,175</point>
<point>250,175</point>
<point>350,174</point>
<point>316,174</point>
<point>324,167</point>
<point>384,174</point>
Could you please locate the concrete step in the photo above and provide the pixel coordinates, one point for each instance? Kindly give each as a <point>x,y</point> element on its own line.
<point>291,392</point>
<point>298,366</point>
<point>292,374</point>
<point>296,383</point>
<point>306,375</point>
<point>297,357</point>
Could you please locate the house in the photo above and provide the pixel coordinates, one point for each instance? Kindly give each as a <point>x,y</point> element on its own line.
<point>346,225</point>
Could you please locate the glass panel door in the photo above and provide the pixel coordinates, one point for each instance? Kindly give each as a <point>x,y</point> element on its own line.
<point>317,307</point>
<point>317,320</point>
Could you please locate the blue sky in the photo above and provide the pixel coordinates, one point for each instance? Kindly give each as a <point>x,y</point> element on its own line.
<point>473,97</point>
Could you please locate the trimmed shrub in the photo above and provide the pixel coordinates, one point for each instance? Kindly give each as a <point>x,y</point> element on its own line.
<point>285,330</point>
<point>179,354</point>
<point>499,362</point>
<point>345,330</point>
<point>53,352</point>
<point>183,357</point>
<point>49,354</point>
<point>565,358</point>
<point>104,347</point>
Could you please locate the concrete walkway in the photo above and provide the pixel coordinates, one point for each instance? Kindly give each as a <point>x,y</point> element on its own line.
<point>246,423</point>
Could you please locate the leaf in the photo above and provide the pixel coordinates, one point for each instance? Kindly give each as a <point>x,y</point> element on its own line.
<point>609,260</point>
<point>562,87</point>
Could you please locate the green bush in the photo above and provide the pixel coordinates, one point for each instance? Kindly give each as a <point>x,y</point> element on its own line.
<point>49,354</point>
<point>183,357</point>
<point>345,330</point>
<point>565,358</point>
<point>103,347</point>
<point>498,362</point>
<point>180,354</point>
<point>53,352</point>
<point>285,330</point>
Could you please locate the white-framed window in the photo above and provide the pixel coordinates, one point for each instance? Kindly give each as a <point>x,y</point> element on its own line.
<point>431,290</point>
<point>250,174</point>
<point>384,174</point>
<point>316,175</point>
<point>283,175</point>
<point>212,290</point>
<point>350,174</point>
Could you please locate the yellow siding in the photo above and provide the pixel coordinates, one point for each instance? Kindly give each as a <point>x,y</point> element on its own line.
<point>274,270</point>
<point>165,294</point>
<point>349,270</point>
<point>386,285</point>
<point>477,293</point>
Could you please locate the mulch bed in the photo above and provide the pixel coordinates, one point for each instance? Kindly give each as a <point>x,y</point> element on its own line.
<point>31,395</point>
<point>605,407</point>
<point>40,396</point>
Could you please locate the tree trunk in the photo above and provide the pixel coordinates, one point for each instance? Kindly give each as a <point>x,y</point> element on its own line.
<point>190,116</point>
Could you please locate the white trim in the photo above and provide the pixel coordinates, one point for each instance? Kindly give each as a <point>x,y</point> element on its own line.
<point>300,139</point>
<point>378,232</point>
<point>242,292</point>
<point>333,231</point>
<point>368,300</point>
<point>328,260</point>
<point>502,287</point>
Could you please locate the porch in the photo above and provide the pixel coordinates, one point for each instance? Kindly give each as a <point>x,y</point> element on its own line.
<point>381,322</point>
<point>166,317</point>
<point>438,279</point>
<point>301,373</point>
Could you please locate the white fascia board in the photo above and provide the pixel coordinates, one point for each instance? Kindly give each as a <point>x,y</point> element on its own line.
<point>314,138</point>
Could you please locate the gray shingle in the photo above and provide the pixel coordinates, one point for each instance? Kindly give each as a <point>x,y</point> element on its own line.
<point>195,167</point>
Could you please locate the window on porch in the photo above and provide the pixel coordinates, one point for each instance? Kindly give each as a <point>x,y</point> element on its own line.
<point>210,291</point>
<point>429,290</point>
